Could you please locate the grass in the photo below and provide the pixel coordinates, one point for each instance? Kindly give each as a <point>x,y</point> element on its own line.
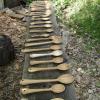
<point>86,22</point>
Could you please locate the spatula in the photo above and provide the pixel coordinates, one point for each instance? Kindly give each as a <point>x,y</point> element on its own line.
<point>58,88</point>
<point>54,60</point>
<point>61,67</point>
<point>65,79</point>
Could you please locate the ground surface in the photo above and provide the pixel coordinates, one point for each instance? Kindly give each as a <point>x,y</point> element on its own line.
<point>11,74</point>
<point>85,65</point>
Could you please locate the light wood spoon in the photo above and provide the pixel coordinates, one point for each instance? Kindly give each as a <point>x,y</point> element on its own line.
<point>54,37</point>
<point>58,88</point>
<point>53,53</point>
<point>54,60</point>
<point>41,31</point>
<point>61,67</point>
<point>41,22</point>
<point>57,41</point>
<point>65,79</point>
<point>54,47</point>
<point>57,99</point>
<point>40,35</point>
<point>41,26</point>
<point>43,19</point>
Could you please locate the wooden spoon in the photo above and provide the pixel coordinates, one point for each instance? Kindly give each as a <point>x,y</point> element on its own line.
<point>41,31</point>
<point>54,47</point>
<point>57,41</point>
<point>40,22</point>
<point>54,37</point>
<point>65,79</point>
<point>41,26</point>
<point>43,19</point>
<point>53,53</point>
<point>58,88</point>
<point>54,60</point>
<point>57,99</point>
<point>61,67</point>
<point>40,35</point>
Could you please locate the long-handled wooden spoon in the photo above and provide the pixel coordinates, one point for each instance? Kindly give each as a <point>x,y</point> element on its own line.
<point>41,26</point>
<point>40,35</point>
<point>43,19</point>
<point>41,31</point>
<point>58,88</point>
<point>54,60</point>
<point>65,79</point>
<point>53,53</point>
<point>54,47</point>
<point>57,99</point>
<point>54,37</point>
<point>40,23</point>
<point>57,41</point>
<point>61,67</point>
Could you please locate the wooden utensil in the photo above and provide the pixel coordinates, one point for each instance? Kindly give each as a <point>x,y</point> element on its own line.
<point>40,35</point>
<point>57,41</point>
<point>65,79</point>
<point>53,53</point>
<point>61,67</point>
<point>43,19</point>
<point>41,31</point>
<point>40,22</point>
<point>57,99</point>
<point>58,88</point>
<point>54,60</point>
<point>54,47</point>
<point>41,26</point>
<point>54,37</point>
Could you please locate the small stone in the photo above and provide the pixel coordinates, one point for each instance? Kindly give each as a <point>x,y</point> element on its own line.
<point>90,91</point>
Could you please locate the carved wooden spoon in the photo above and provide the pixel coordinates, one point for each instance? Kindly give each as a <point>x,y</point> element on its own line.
<point>57,41</point>
<point>41,26</point>
<point>65,79</point>
<point>53,53</point>
<point>43,19</point>
<point>54,47</point>
<point>40,35</point>
<point>40,22</point>
<point>54,37</point>
<point>41,31</point>
<point>58,88</point>
<point>54,60</point>
<point>57,99</point>
<point>61,67</point>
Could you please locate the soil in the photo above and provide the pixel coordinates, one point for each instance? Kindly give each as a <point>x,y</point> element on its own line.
<point>11,74</point>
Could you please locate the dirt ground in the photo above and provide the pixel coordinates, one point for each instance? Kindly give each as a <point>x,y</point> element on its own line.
<point>11,74</point>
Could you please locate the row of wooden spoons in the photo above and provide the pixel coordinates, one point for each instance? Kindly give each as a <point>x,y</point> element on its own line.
<point>40,39</point>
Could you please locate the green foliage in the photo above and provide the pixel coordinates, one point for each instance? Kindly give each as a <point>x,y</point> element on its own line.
<point>29,1</point>
<point>86,22</point>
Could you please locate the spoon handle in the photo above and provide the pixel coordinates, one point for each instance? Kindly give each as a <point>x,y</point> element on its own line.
<point>32,50</point>
<point>37,44</point>
<point>33,81</point>
<point>30,91</point>
<point>40,62</point>
<point>40,55</point>
<point>41,69</point>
